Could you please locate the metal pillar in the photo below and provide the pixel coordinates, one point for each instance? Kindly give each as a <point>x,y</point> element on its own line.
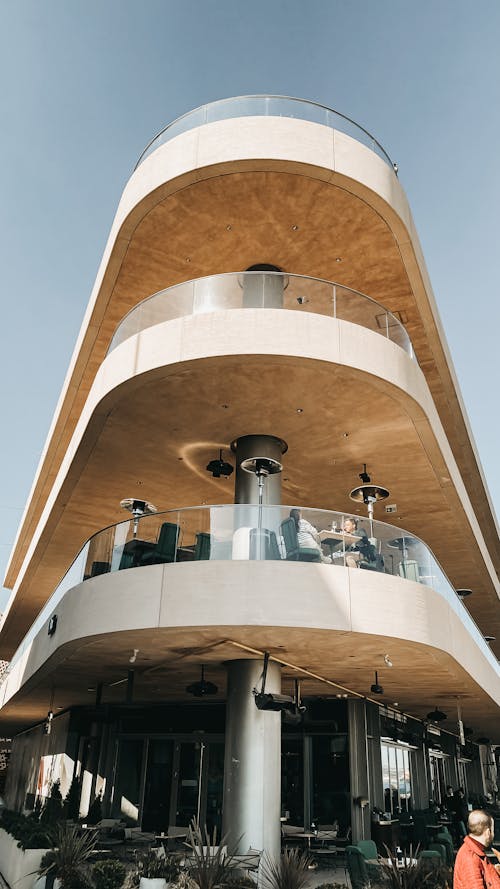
<point>261,291</point>
<point>246,485</point>
<point>252,770</point>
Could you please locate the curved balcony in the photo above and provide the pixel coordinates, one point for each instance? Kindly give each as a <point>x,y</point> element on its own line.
<point>247,532</point>
<point>266,106</point>
<point>266,290</point>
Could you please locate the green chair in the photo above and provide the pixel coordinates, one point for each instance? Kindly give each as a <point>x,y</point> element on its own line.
<point>430,857</point>
<point>294,552</point>
<point>166,546</point>
<point>445,839</point>
<point>441,849</point>
<point>263,544</point>
<point>202,547</point>
<point>368,848</point>
<point>356,866</point>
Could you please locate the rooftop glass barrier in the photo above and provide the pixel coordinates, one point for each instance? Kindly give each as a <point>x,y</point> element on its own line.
<point>265,290</point>
<point>248,532</point>
<point>266,106</point>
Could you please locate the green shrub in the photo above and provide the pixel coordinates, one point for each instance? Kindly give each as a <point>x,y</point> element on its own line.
<point>108,874</point>
<point>52,811</point>
<point>27,830</point>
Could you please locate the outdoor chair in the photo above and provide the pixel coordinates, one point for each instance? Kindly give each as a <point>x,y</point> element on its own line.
<point>439,847</point>
<point>166,546</point>
<point>446,840</point>
<point>202,547</point>
<point>356,866</point>
<point>263,544</point>
<point>368,848</point>
<point>294,552</point>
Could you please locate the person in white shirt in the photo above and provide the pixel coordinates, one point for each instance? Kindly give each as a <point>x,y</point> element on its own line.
<point>307,534</point>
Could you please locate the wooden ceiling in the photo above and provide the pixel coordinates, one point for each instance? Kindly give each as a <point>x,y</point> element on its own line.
<point>158,442</point>
<point>169,660</point>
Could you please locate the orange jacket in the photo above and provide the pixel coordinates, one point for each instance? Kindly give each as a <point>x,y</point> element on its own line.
<point>472,868</point>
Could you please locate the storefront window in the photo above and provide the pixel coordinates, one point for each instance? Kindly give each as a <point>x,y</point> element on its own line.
<point>396,777</point>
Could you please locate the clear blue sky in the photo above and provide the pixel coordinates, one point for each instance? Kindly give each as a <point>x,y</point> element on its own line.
<point>87,83</point>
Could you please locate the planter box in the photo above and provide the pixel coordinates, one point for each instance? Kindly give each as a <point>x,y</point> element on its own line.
<point>18,866</point>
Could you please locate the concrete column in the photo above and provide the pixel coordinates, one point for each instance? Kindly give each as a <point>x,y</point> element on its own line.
<point>252,769</point>
<point>246,487</point>
<point>261,291</point>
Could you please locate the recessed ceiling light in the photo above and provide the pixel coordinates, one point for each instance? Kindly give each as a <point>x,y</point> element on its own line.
<point>338,259</point>
<point>225,406</point>
<point>490,638</point>
<point>463,592</point>
<point>295,228</point>
<point>91,688</point>
<point>345,435</point>
<point>229,228</point>
<point>188,259</point>
<point>300,410</point>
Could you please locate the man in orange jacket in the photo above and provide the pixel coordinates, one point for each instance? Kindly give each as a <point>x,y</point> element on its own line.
<point>472,868</point>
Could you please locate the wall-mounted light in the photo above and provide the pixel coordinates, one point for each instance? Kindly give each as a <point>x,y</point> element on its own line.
<point>52,625</point>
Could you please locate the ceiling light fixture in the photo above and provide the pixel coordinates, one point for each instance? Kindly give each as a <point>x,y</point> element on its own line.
<point>387,660</point>
<point>132,659</point>
<point>490,638</point>
<point>202,688</point>
<point>376,688</point>
<point>463,592</point>
<point>219,467</point>
<point>437,715</point>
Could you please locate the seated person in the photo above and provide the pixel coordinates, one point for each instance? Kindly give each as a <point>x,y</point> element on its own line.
<point>357,551</point>
<point>307,535</point>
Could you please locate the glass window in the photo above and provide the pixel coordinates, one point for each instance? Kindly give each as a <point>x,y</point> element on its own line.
<point>330,780</point>
<point>158,786</point>
<point>126,799</point>
<point>396,778</point>
<point>292,780</point>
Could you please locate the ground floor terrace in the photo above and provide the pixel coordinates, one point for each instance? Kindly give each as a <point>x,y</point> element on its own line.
<point>259,776</point>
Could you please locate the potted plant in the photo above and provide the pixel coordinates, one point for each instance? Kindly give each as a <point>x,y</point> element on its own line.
<point>108,874</point>
<point>207,861</point>
<point>290,871</point>
<point>68,861</point>
<point>155,869</point>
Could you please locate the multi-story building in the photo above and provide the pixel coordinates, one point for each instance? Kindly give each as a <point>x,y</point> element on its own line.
<point>262,304</point>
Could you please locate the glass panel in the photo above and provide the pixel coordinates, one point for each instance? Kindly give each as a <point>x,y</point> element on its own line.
<point>261,290</point>
<point>292,780</point>
<point>215,787</point>
<point>330,781</point>
<point>247,532</point>
<point>127,792</point>
<point>188,790</point>
<point>158,786</point>
<point>275,106</point>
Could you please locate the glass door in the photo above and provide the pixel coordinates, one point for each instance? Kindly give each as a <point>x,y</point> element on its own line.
<point>158,786</point>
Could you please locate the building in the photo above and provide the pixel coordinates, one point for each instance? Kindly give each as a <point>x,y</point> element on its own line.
<point>262,302</point>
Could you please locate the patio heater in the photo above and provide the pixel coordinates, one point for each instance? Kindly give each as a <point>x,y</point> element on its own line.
<point>261,467</point>
<point>138,508</point>
<point>368,494</point>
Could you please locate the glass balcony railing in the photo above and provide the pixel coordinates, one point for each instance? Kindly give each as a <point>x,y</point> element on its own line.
<point>265,290</point>
<point>266,106</point>
<point>240,532</point>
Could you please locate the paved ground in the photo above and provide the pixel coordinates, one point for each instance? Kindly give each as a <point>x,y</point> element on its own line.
<point>325,874</point>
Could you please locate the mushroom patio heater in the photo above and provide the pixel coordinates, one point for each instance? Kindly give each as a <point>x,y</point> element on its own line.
<point>138,508</point>
<point>261,467</point>
<point>369,494</point>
